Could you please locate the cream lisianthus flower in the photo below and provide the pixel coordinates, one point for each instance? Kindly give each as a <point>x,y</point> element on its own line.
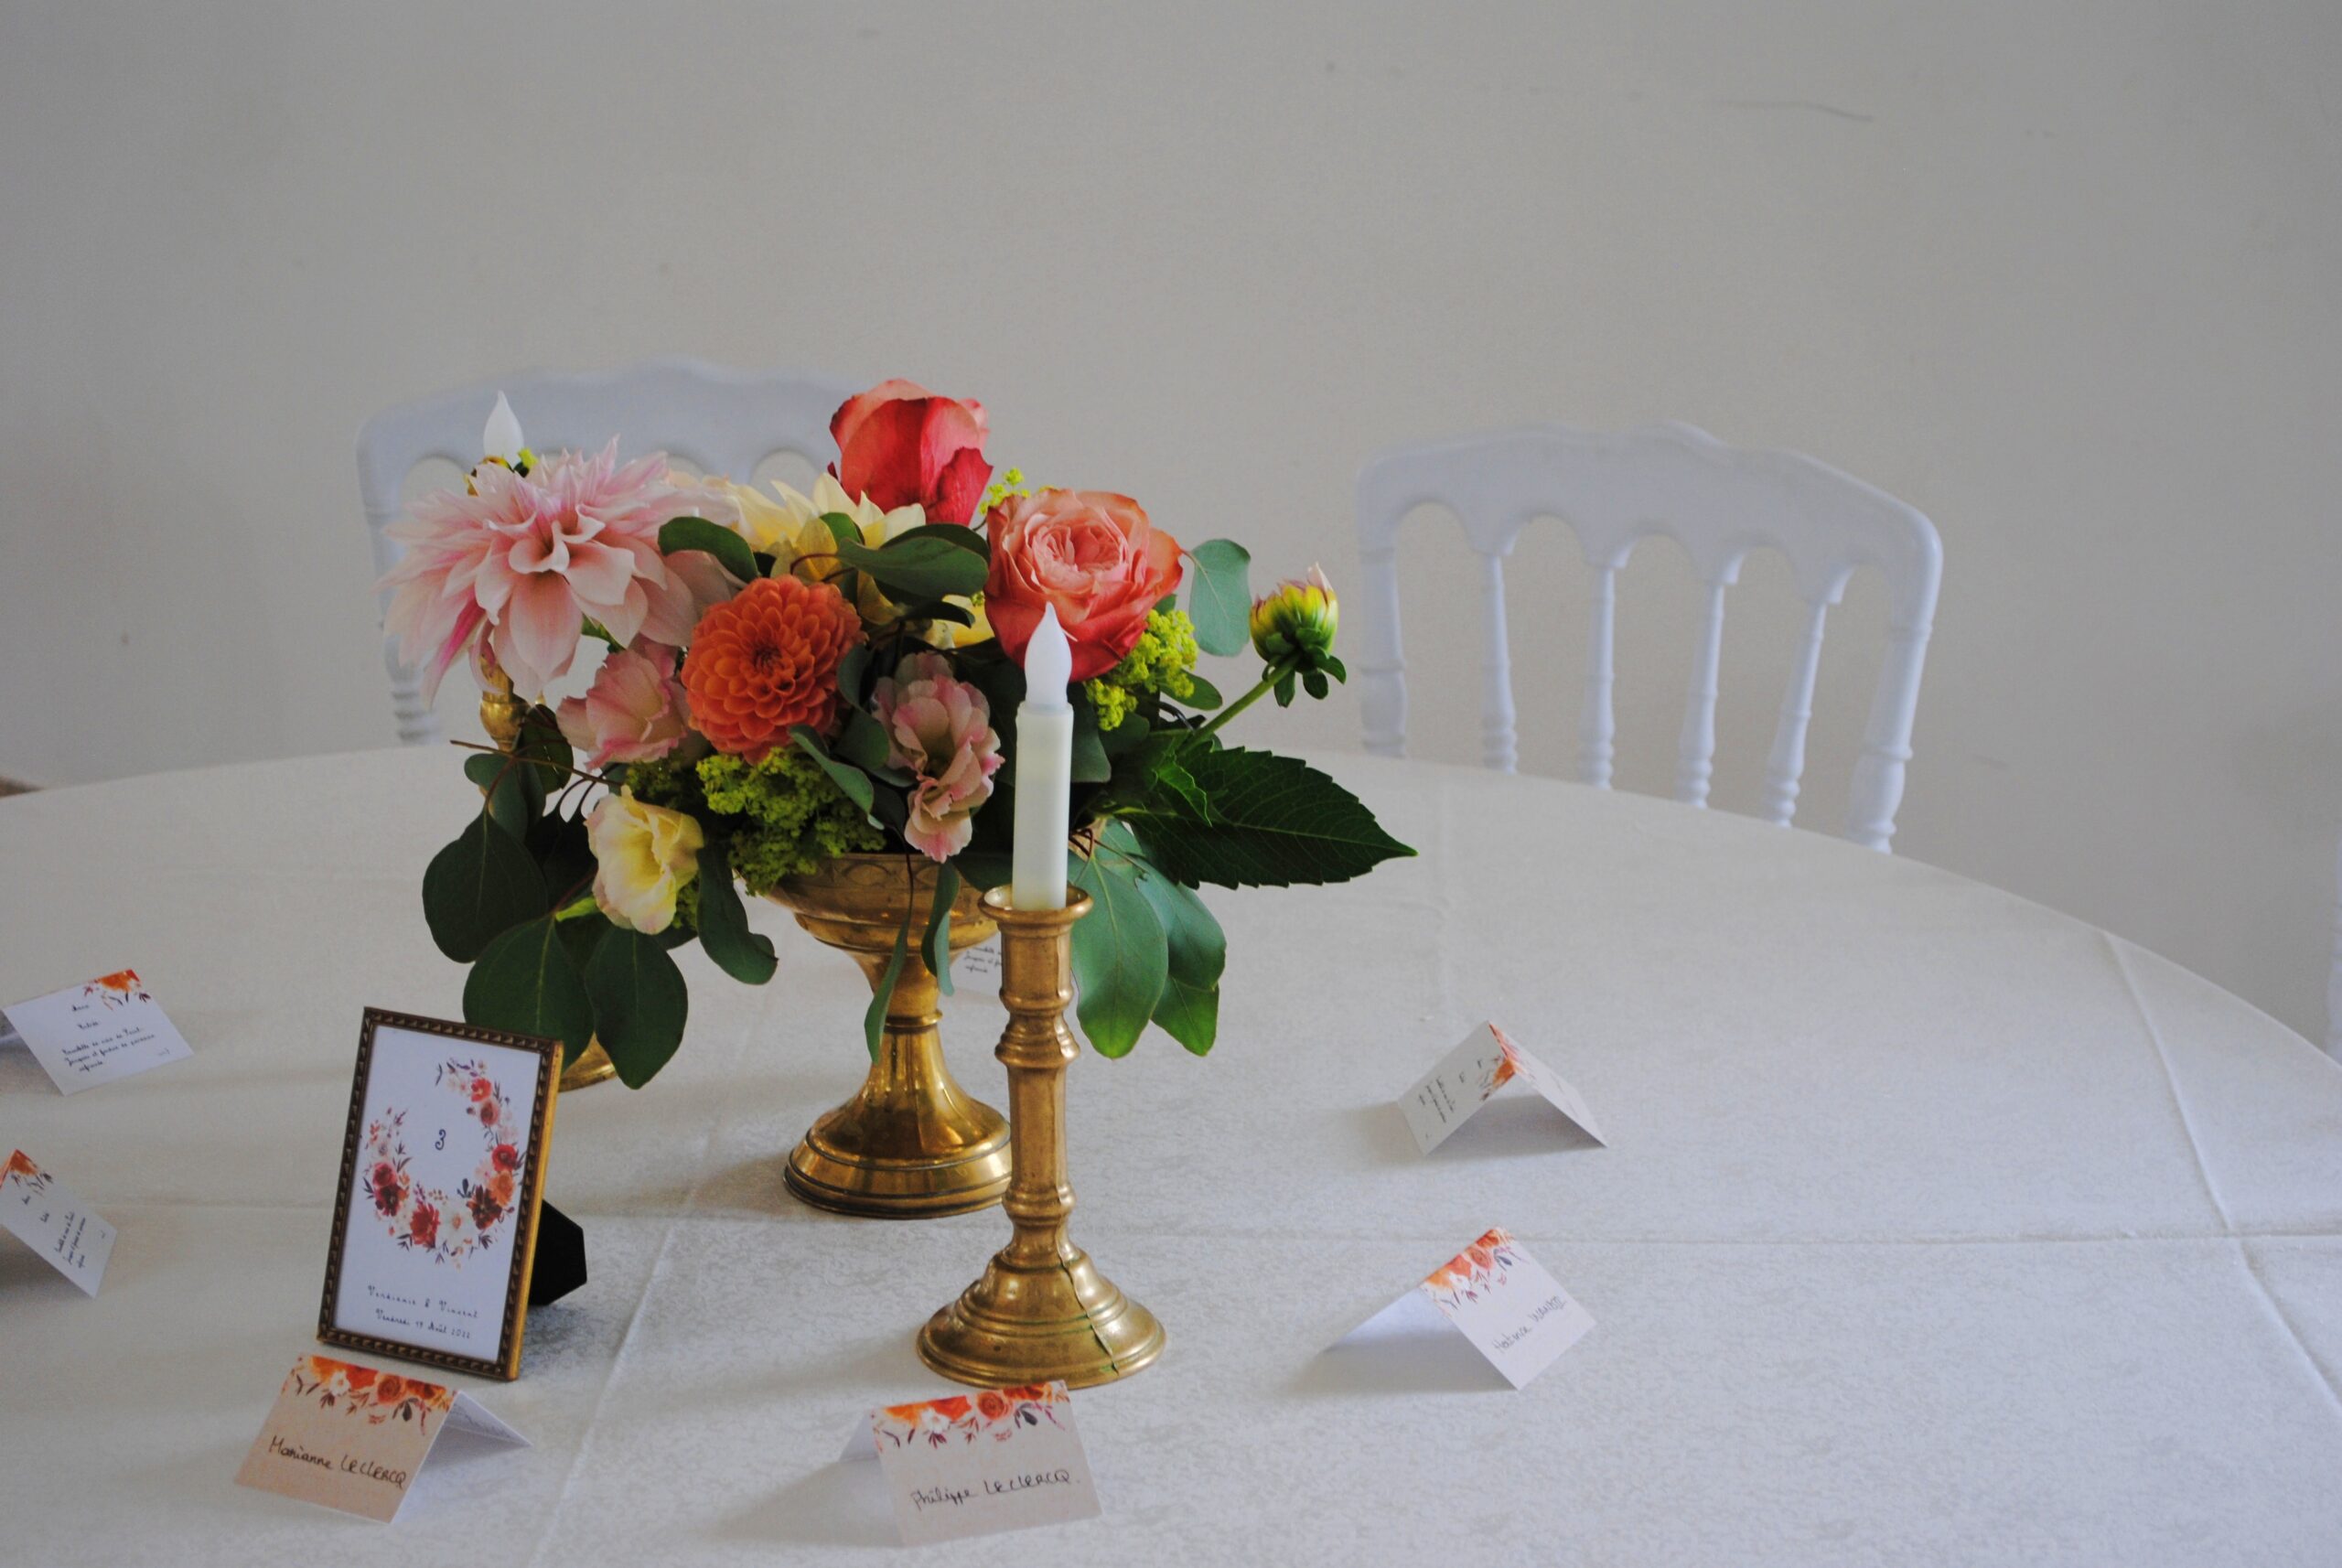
<point>643,856</point>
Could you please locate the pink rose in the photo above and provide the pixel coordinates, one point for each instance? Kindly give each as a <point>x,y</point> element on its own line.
<point>635,711</point>
<point>941,730</point>
<point>898,444</point>
<point>1091,553</point>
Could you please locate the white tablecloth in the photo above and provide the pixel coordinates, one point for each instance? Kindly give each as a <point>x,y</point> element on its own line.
<point>1936,1228</point>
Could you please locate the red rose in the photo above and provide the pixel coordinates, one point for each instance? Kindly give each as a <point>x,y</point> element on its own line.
<point>1092,554</point>
<point>899,444</point>
<point>506,1157</point>
<point>482,1088</point>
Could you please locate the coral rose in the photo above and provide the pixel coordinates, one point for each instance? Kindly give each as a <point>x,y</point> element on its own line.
<point>768,660</point>
<point>1091,553</point>
<point>899,444</point>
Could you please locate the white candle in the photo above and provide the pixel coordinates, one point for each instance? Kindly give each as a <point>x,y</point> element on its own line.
<point>502,438</point>
<point>1043,771</point>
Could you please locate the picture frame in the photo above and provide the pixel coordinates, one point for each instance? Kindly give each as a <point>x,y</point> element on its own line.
<point>428,1257</point>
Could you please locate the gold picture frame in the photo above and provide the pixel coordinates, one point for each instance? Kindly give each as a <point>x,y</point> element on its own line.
<point>382,1033</point>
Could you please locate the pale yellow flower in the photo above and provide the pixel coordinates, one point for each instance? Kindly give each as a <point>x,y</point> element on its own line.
<point>643,856</point>
<point>814,537</point>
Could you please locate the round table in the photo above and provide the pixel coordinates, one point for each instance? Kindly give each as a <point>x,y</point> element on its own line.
<point>1934,1227</point>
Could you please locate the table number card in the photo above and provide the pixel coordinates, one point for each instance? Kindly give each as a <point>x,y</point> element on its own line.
<point>36,1209</point>
<point>434,1226</point>
<point>1499,1297</point>
<point>352,1437</point>
<point>93,1033</point>
<point>976,1464</point>
<point>1468,1076</point>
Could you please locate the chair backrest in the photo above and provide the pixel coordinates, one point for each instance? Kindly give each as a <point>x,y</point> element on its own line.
<point>1719,504</point>
<point>722,420</point>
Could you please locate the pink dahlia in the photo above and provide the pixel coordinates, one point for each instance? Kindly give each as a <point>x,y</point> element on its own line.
<point>531,559</point>
<point>941,730</point>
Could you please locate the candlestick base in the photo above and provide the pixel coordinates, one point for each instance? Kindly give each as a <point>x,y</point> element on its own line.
<point>1028,1322</point>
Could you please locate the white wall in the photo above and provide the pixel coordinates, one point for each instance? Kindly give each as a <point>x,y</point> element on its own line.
<point>2064,276</point>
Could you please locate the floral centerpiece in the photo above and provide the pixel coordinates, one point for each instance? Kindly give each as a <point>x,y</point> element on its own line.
<point>786,679</point>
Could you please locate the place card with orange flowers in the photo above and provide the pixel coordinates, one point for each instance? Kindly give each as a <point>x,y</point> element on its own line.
<point>980,1463</point>
<point>1499,1298</point>
<point>779,678</point>
<point>353,1437</point>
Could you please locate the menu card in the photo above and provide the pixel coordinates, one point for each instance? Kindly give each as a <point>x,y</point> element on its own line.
<point>352,1437</point>
<point>976,1464</point>
<point>1466,1078</point>
<point>36,1208</point>
<point>93,1033</point>
<point>1499,1297</point>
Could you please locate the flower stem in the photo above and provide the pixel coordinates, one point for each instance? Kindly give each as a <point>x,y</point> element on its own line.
<point>1274,673</point>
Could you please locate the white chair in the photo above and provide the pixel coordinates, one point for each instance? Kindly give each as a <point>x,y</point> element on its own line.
<point>1719,503</point>
<point>722,420</point>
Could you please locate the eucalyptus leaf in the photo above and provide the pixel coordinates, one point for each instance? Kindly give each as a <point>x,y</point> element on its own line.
<point>640,1004</point>
<point>514,789</point>
<point>739,951</point>
<point>936,945</point>
<point>863,742</point>
<point>850,778</point>
<point>731,551</point>
<point>480,887</point>
<point>874,1017</point>
<point>1220,600</point>
<point>918,567</point>
<point>1121,958</point>
<point>958,535</point>
<point>526,981</point>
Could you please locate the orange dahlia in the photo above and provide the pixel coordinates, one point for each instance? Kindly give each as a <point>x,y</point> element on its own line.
<point>766,660</point>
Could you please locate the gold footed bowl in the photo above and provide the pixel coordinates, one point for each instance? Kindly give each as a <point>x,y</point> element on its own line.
<point>1041,1309</point>
<point>912,1144</point>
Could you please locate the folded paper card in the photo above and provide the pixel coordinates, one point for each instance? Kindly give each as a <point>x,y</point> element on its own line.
<point>352,1437</point>
<point>1499,1297</point>
<point>96,1032</point>
<point>974,1463</point>
<point>36,1208</point>
<point>1488,1060</point>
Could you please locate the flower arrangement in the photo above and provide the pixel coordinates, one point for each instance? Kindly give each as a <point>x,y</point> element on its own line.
<point>784,677</point>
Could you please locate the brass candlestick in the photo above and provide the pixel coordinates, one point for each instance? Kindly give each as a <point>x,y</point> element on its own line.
<point>1041,1310</point>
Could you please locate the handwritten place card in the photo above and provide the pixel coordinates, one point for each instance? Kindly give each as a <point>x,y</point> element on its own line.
<point>1466,1078</point>
<point>38,1210</point>
<point>1499,1297</point>
<point>976,1464</point>
<point>94,1032</point>
<point>352,1437</point>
